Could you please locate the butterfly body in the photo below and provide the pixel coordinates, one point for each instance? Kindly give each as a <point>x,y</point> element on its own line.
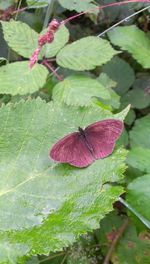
<point>82,148</point>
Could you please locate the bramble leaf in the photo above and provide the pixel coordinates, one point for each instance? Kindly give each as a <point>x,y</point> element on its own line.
<point>133,40</point>
<point>17,78</point>
<point>44,199</point>
<point>24,40</point>
<point>139,158</point>
<point>78,90</point>
<point>20,37</point>
<point>140,134</point>
<point>138,195</point>
<point>121,72</point>
<point>79,5</point>
<point>85,54</point>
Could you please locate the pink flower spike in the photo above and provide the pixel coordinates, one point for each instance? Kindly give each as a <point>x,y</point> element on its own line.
<point>54,25</point>
<point>34,58</point>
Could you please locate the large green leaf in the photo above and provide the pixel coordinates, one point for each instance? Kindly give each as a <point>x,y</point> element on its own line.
<point>20,37</point>
<point>140,134</point>
<point>79,90</point>
<point>139,158</point>
<point>133,40</point>
<point>85,54</point>
<point>24,40</point>
<point>79,5</point>
<point>17,78</point>
<point>138,195</point>
<point>121,72</point>
<point>46,206</point>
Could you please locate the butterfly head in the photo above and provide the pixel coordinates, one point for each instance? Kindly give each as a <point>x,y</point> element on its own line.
<point>81,131</point>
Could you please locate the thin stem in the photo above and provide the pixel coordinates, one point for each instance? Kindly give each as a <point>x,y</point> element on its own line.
<point>128,206</point>
<point>48,13</point>
<point>52,257</point>
<point>105,6</point>
<point>44,62</point>
<point>115,241</point>
<point>123,20</point>
<point>18,7</point>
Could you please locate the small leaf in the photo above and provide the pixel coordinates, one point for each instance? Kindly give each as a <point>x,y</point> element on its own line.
<point>85,54</point>
<point>17,78</point>
<point>133,40</point>
<point>78,90</point>
<point>108,84</point>
<point>20,37</point>
<point>121,72</point>
<point>140,134</point>
<point>79,5</point>
<point>53,201</point>
<point>133,247</point>
<point>139,158</point>
<point>138,195</point>
<point>130,117</point>
<point>61,37</point>
<point>138,98</point>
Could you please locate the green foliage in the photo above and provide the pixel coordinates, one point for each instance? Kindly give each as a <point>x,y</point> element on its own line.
<point>138,195</point>
<point>20,37</point>
<point>139,158</point>
<point>15,78</point>
<point>78,5</point>
<point>85,54</point>
<point>109,84</point>
<point>121,72</point>
<point>44,206</point>
<point>79,90</point>
<point>133,248</point>
<point>58,202</point>
<point>24,40</point>
<point>139,135</point>
<point>38,3</point>
<point>133,40</point>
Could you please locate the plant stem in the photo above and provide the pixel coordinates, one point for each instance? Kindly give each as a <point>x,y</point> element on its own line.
<point>105,6</point>
<point>115,241</point>
<point>123,20</point>
<point>48,13</point>
<point>44,62</point>
<point>138,215</point>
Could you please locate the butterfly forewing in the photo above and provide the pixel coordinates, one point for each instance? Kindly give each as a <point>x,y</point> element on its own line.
<point>73,150</point>
<point>102,136</point>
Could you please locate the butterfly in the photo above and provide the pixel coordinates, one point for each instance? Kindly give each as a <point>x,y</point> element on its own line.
<point>82,148</point>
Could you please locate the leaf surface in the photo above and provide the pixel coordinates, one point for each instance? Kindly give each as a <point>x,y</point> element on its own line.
<point>85,54</point>
<point>17,78</point>
<point>140,134</point>
<point>139,158</point>
<point>79,5</point>
<point>120,72</point>
<point>133,40</point>
<point>20,37</point>
<point>49,205</point>
<point>138,195</point>
<point>78,90</point>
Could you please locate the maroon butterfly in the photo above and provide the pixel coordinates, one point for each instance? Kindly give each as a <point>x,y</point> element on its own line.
<point>81,148</point>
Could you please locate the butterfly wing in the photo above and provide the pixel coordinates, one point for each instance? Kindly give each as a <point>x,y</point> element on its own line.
<point>73,150</point>
<point>101,136</point>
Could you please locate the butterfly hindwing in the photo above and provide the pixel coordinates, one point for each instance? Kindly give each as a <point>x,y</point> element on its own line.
<point>102,136</point>
<point>73,150</point>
